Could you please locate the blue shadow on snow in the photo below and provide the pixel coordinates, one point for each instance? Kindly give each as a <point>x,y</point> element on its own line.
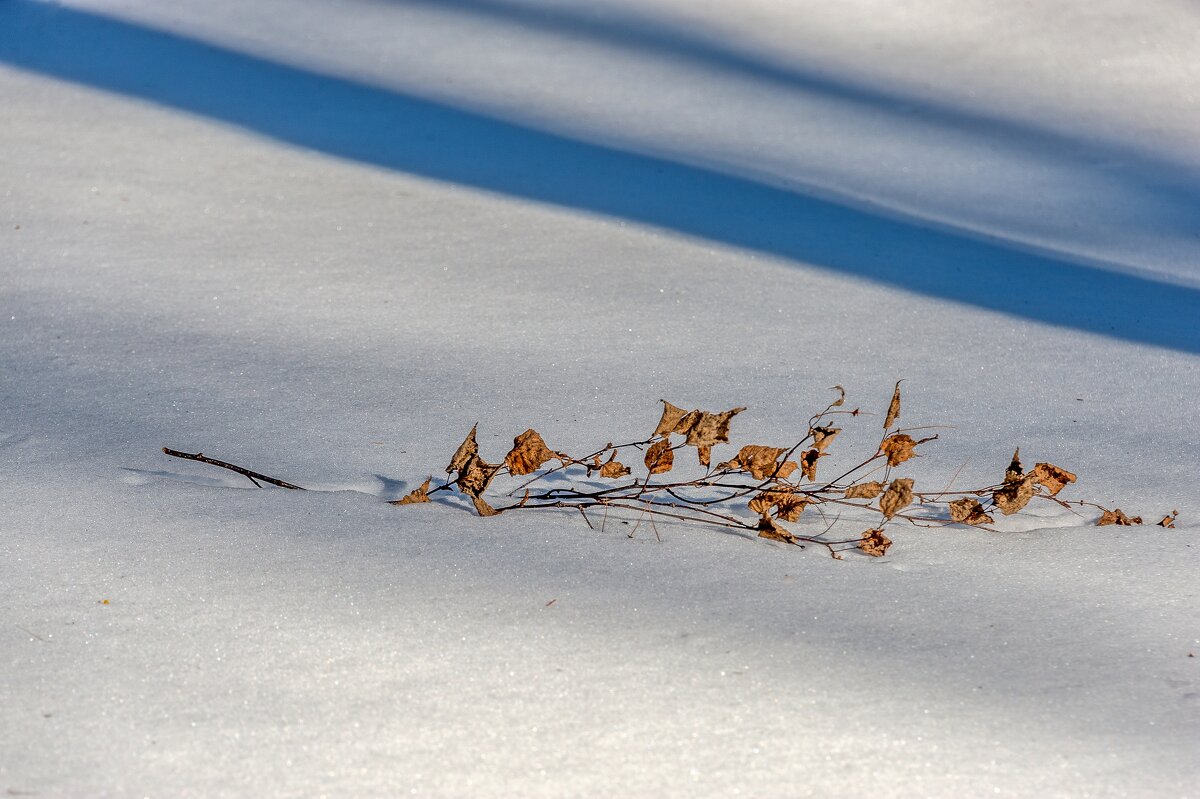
<point>406,133</point>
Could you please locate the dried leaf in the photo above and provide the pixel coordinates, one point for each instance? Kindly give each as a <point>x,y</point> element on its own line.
<point>1169,519</point>
<point>1014,472</point>
<point>823,436</point>
<point>418,494</point>
<point>761,462</point>
<point>475,476</point>
<point>1052,477</point>
<point>767,528</point>
<point>841,400</point>
<point>808,464</point>
<point>482,508</point>
<point>898,448</point>
<point>1117,517</point>
<point>893,412</point>
<point>969,511</point>
<point>897,497</point>
<point>671,417</point>
<point>660,457</point>
<point>875,543</point>
<point>528,454</point>
<point>613,468</point>
<point>705,429</point>
<point>790,507</point>
<point>465,452</point>
<point>1013,496</point>
<point>864,490</point>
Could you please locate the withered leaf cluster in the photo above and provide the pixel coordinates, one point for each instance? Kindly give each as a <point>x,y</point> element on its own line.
<point>704,430</point>
<point>775,499</point>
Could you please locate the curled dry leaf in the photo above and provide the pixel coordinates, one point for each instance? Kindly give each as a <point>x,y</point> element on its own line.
<point>703,429</point>
<point>893,412</point>
<point>528,454</point>
<point>613,468</point>
<point>864,490</point>
<point>823,436</point>
<point>671,417</point>
<point>465,452</point>
<point>898,448</point>
<point>1169,519</point>
<point>767,528</point>
<point>841,400</point>
<point>874,543</point>
<point>788,506</point>
<point>1015,471</point>
<point>418,494</point>
<point>660,457</point>
<point>808,463</point>
<point>761,462</point>
<point>1013,496</point>
<point>1052,477</point>
<point>898,496</point>
<point>1117,517</point>
<point>969,511</point>
<point>707,429</point>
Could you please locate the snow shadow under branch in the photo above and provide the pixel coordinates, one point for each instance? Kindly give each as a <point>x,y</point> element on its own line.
<point>409,134</point>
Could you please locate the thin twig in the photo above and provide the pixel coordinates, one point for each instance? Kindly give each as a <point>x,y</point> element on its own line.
<point>253,477</point>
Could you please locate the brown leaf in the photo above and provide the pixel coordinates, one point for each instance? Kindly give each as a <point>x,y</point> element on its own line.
<point>1117,517</point>
<point>528,454</point>
<point>613,468</point>
<point>875,543</point>
<point>1014,472</point>
<point>705,429</point>
<point>841,400</point>
<point>823,436</point>
<point>898,448</point>
<point>864,490</point>
<point>418,494</point>
<point>482,508</point>
<point>660,457</point>
<point>1169,519</point>
<point>1052,477</point>
<point>808,464</point>
<point>767,528</point>
<point>788,506</point>
<point>465,452</point>
<point>1013,496</point>
<point>761,462</point>
<point>893,412</point>
<point>969,511</point>
<point>897,497</point>
<point>475,476</point>
<point>671,417</point>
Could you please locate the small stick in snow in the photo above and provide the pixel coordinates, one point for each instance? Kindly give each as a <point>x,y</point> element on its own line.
<point>253,477</point>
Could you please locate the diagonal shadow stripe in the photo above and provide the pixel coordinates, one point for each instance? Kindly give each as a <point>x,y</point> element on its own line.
<point>405,133</point>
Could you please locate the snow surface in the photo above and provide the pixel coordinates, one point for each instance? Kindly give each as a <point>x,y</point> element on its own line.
<point>322,239</point>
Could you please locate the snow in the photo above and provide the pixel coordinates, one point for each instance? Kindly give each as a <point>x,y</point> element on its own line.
<point>321,240</point>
